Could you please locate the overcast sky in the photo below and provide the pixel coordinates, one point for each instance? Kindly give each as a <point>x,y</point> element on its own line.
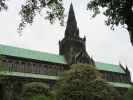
<point>102,43</point>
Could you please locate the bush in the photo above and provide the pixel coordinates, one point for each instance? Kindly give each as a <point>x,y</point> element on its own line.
<point>83,82</point>
<point>129,95</point>
<point>36,97</point>
<point>36,91</point>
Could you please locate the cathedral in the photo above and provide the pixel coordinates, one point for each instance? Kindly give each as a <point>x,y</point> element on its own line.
<point>24,64</point>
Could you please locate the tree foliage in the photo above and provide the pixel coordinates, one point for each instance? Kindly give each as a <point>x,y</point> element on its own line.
<point>129,95</point>
<point>31,8</point>
<point>118,12</point>
<point>36,91</point>
<point>3,5</point>
<point>83,82</point>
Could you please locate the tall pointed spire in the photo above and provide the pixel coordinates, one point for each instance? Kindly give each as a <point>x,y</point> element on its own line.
<point>72,46</point>
<point>71,28</point>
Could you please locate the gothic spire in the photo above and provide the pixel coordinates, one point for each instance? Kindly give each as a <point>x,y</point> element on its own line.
<point>71,28</point>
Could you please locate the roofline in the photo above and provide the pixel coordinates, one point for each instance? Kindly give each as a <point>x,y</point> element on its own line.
<point>112,65</point>
<point>106,63</point>
<point>28,75</point>
<point>110,71</point>
<point>29,49</point>
<point>22,58</point>
<point>35,51</point>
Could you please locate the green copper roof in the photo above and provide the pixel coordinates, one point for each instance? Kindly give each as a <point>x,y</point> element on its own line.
<point>109,67</point>
<point>30,54</point>
<point>121,85</point>
<point>42,56</point>
<point>28,75</point>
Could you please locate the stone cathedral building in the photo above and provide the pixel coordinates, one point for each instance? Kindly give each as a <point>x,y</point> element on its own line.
<point>23,65</point>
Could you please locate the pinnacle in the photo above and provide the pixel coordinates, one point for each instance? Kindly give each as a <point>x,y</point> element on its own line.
<point>71,28</point>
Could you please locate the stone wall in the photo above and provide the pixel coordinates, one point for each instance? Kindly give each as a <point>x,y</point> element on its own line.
<point>30,66</point>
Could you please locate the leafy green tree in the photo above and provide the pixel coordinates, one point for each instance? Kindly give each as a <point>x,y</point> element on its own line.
<point>83,82</point>
<point>33,7</point>
<point>118,12</point>
<point>36,91</point>
<point>129,95</point>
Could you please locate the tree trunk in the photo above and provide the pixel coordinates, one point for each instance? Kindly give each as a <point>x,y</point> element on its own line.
<point>129,19</point>
<point>130,26</point>
<point>130,30</point>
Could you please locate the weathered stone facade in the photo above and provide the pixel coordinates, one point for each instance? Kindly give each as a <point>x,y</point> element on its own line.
<point>31,66</point>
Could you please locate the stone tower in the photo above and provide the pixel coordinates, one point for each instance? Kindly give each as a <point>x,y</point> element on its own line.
<point>72,46</point>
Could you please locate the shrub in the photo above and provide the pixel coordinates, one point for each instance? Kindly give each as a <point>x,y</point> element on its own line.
<point>83,82</point>
<point>36,91</point>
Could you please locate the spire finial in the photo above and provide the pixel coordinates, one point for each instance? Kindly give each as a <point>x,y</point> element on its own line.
<point>71,28</point>
<point>71,6</point>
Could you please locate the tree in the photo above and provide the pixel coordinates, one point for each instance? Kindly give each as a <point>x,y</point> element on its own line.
<point>83,82</point>
<point>36,91</point>
<point>118,12</point>
<point>31,8</point>
<point>129,95</point>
